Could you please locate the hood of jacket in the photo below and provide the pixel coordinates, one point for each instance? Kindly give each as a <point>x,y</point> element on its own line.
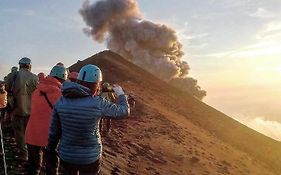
<point>75,90</point>
<point>49,84</point>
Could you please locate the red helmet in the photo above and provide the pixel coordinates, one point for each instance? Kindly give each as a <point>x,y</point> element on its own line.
<point>41,76</point>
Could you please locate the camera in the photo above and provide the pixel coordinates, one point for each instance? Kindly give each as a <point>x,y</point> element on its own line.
<point>106,87</point>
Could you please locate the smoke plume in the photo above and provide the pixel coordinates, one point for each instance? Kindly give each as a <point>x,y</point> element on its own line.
<point>154,47</point>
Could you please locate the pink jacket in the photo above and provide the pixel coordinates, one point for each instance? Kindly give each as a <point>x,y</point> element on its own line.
<point>37,129</point>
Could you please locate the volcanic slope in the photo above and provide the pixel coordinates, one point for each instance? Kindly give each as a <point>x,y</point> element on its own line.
<point>171,132</point>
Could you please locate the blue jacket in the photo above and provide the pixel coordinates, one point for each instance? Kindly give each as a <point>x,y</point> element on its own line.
<point>75,123</point>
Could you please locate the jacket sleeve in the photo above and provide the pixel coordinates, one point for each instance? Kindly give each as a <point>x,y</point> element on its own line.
<point>119,110</point>
<point>33,83</point>
<point>54,131</point>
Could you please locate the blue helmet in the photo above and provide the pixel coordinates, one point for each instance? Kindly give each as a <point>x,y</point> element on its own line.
<point>25,60</point>
<point>90,73</point>
<point>59,72</point>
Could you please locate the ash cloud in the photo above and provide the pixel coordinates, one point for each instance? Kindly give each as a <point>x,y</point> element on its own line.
<point>154,47</point>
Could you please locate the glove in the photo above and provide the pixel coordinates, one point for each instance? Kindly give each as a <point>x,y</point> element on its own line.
<point>118,90</point>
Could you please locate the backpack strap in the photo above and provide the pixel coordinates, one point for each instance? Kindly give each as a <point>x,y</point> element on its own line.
<point>47,99</point>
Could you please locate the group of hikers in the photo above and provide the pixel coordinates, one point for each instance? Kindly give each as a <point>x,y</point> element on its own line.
<point>57,119</point>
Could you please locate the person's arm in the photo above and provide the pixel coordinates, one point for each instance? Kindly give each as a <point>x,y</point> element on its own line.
<point>54,131</point>
<point>50,153</point>
<point>120,109</point>
<point>34,83</point>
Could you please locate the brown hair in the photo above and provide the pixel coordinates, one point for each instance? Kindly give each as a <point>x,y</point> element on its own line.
<point>94,87</point>
<point>25,66</point>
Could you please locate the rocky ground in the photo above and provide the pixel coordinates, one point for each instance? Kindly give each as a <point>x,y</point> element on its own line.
<point>155,140</point>
<point>13,166</point>
<point>171,133</point>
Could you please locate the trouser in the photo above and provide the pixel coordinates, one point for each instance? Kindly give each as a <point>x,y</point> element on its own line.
<point>2,114</point>
<point>52,162</point>
<point>76,169</point>
<point>35,157</point>
<point>19,125</point>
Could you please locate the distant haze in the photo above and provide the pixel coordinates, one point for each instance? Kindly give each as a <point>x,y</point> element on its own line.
<point>257,104</point>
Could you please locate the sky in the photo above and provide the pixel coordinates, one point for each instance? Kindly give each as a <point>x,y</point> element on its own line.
<point>233,47</point>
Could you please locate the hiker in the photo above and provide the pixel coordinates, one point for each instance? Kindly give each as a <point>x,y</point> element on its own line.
<point>41,76</point>
<point>132,101</point>
<point>3,100</point>
<point>14,70</point>
<point>3,104</point>
<point>73,76</point>
<point>43,99</point>
<point>21,84</point>
<point>108,94</point>
<point>75,122</point>
<point>9,82</point>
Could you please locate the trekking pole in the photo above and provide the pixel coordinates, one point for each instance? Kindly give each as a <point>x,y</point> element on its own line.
<point>3,150</point>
